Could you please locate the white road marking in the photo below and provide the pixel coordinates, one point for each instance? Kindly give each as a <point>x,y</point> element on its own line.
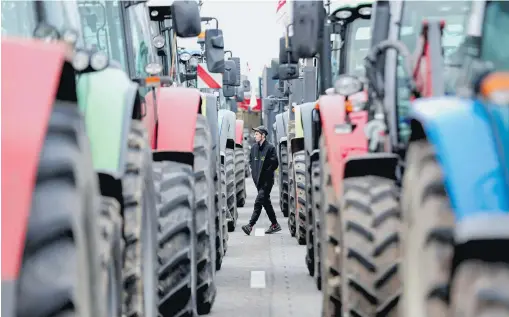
<point>259,232</point>
<point>257,279</point>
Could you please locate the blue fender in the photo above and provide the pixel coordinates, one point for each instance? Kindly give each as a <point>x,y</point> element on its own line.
<point>461,133</point>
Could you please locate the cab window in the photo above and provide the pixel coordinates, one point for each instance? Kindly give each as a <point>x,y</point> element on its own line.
<point>102,28</point>
<point>359,41</point>
<point>142,48</point>
<point>18,18</point>
<point>495,42</point>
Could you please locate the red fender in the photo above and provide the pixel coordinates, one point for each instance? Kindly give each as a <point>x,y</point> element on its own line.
<point>177,110</point>
<point>239,131</point>
<point>339,146</point>
<point>26,110</point>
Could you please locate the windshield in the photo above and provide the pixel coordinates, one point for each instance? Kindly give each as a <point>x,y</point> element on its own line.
<point>455,14</point>
<point>19,17</point>
<point>495,42</point>
<point>142,48</point>
<point>358,43</point>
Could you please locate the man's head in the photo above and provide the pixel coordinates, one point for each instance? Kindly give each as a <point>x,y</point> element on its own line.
<point>260,133</point>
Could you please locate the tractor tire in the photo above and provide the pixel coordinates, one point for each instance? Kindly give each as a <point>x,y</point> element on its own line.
<point>316,192</point>
<point>329,240</point>
<point>224,207</point>
<point>218,221</point>
<point>60,271</point>
<point>177,237</point>
<point>240,176</point>
<point>112,255</point>
<point>301,202</point>
<point>284,186</point>
<point>140,225</point>
<point>428,244</point>
<point>203,193</point>
<point>369,243</point>
<point>292,226</point>
<point>310,244</point>
<point>229,164</point>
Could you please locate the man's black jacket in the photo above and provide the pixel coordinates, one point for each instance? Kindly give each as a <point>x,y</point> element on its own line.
<point>263,161</point>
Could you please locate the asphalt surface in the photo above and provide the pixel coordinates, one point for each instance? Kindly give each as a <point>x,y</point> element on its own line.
<point>264,276</point>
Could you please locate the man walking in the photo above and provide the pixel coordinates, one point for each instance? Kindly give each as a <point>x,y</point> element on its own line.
<point>263,161</point>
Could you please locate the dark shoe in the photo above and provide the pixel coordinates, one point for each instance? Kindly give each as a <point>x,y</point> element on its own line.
<point>273,228</point>
<point>247,229</point>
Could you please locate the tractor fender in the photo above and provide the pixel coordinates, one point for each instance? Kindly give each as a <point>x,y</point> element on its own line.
<point>177,110</point>
<point>25,117</point>
<point>286,119</point>
<point>306,113</point>
<point>107,99</point>
<point>239,131</point>
<point>280,128</point>
<point>461,134</point>
<point>374,164</point>
<point>227,128</point>
<point>297,142</point>
<point>341,144</point>
<point>209,110</point>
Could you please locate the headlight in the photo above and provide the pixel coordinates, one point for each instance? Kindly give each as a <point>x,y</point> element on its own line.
<point>153,68</point>
<point>347,85</point>
<point>185,57</point>
<point>193,62</point>
<point>365,11</point>
<point>158,41</point>
<point>343,14</point>
<point>80,61</point>
<point>46,32</point>
<point>99,61</point>
<point>70,37</point>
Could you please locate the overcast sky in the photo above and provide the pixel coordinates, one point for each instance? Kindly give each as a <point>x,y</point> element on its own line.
<point>250,30</point>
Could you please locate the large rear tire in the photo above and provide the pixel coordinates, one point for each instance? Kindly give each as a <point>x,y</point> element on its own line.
<point>284,186</point>
<point>203,193</point>
<point>428,243</point>
<point>61,273</point>
<point>240,176</point>
<point>177,237</point>
<point>292,204</point>
<point>140,218</point>
<point>231,188</point>
<point>369,244</point>
<point>330,239</point>
<point>218,221</point>
<point>224,207</point>
<point>316,179</point>
<point>301,201</point>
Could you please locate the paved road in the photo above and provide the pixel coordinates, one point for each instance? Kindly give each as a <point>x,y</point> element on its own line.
<point>264,276</point>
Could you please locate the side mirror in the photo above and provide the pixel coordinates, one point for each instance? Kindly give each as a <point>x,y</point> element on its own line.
<point>308,20</point>
<point>239,96</point>
<point>236,60</point>
<point>214,50</point>
<point>230,74</point>
<point>246,84</point>
<point>185,16</point>
<point>228,91</point>
<point>288,71</point>
<point>283,52</point>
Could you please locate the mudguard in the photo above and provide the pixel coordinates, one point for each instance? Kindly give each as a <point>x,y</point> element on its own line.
<point>462,136</point>
<point>239,131</point>
<point>341,143</point>
<point>280,128</point>
<point>106,99</point>
<point>297,142</point>
<point>25,116</point>
<point>306,113</point>
<point>177,110</point>
<point>226,120</point>
<point>209,110</point>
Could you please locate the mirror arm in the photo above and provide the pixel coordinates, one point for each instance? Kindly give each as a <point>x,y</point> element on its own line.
<point>231,54</point>
<point>207,19</point>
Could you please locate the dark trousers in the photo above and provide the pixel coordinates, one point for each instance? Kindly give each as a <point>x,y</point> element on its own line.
<point>263,200</point>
